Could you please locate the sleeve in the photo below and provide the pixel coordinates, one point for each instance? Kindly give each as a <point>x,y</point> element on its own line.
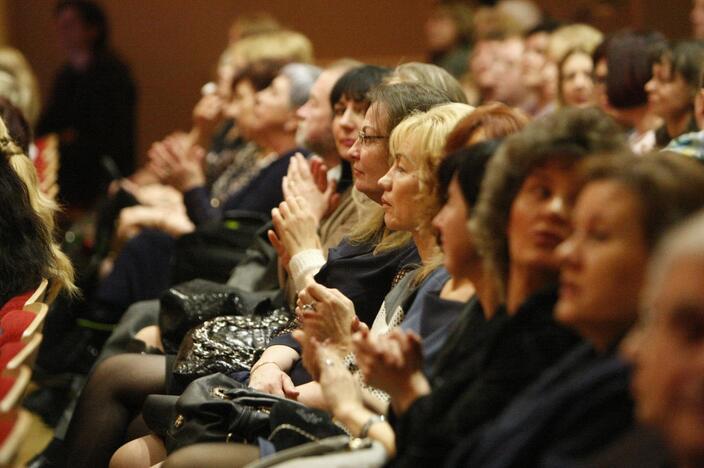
<point>304,264</point>
<point>198,206</point>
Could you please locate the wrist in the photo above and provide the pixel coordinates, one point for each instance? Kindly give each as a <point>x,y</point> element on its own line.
<point>415,387</point>
<point>262,364</point>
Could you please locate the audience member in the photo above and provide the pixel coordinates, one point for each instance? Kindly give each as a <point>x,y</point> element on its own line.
<point>575,83</point>
<point>449,33</point>
<point>622,67</point>
<point>92,105</point>
<point>667,350</point>
<point>671,91</point>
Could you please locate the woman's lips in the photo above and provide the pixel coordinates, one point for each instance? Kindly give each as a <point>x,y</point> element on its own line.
<point>548,238</point>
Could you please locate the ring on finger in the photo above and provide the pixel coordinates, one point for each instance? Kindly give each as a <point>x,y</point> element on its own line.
<point>309,306</point>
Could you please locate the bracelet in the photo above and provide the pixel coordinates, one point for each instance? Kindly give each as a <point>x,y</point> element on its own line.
<point>251,371</point>
<point>377,418</point>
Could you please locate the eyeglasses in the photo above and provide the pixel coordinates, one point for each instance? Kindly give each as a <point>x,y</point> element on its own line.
<point>365,139</point>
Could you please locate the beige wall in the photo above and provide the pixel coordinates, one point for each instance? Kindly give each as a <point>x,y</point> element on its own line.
<point>173,44</point>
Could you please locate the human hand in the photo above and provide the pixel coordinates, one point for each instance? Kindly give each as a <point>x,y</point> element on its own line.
<point>284,257</point>
<point>391,363</point>
<point>295,227</point>
<point>329,315</point>
<point>269,378</point>
<point>207,114</point>
<point>177,163</point>
<point>339,388</point>
<point>302,182</point>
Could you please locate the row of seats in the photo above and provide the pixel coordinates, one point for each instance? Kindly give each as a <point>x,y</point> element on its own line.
<point>21,321</point>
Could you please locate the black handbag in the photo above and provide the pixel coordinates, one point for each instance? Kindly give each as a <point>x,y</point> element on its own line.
<point>187,305</point>
<point>214,249</point>
<point>215,408</point>
<point>227,344</point>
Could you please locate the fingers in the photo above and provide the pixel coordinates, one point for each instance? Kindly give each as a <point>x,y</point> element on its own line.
<point>276,243</point>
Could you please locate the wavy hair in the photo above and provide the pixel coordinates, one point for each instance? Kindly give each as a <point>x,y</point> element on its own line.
<point>567,135</point>
<point>37,234</point>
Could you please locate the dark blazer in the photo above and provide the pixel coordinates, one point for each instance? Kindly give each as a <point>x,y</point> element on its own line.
<point>260,195</point>
<point>362,276</point>
<point>576,408</point>
<point>494,360</point>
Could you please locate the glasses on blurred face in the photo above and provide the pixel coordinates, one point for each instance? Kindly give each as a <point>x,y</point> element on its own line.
<point>365,139</point>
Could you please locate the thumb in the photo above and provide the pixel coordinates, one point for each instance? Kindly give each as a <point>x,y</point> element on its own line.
<point>288,387</point>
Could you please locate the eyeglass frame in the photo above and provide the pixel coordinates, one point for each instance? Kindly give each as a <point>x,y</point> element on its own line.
<point>365,139</point>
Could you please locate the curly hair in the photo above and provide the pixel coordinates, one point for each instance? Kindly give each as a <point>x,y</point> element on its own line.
<point>567,135</point>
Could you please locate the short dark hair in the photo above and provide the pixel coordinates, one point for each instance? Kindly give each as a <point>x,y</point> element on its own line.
<point>468,164</point>
<point>630,62</point>
<point>356,83</point>
<point>92,15</point>
<point>685,57</point>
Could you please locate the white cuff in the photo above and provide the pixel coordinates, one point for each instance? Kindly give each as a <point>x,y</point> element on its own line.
<point>307,262</point>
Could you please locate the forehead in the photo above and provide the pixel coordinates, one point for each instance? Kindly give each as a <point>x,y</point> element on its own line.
<point>578,59</point>
<point>323,85</point>
<point>374,118</point>
<point>682,281</point>
<point>281,82</point>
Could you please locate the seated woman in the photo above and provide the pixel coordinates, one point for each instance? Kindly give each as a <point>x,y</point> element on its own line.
<point>142,270</point>
<point>667,351</point>
<point>622,67</point>
<point>223,172</point>
<point>409,204</point>
<point>29,253</point>
<point>363,266</point>
<point>583,403</point>
<point>521,217</point>
<point>676,78</point>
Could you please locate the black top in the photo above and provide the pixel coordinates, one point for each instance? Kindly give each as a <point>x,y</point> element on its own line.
<point>94,112</point>
<point>576,408</point>
<point>477,374</point>
<point>260,195</point>
<point>362,276</point>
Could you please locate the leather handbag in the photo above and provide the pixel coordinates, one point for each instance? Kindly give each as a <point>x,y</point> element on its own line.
<point>227,344</point>
<point>217,408</point>
<point>189,304</point>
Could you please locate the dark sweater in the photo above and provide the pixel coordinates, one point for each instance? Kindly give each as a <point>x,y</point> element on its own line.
<point>575,409</point>
<point>487,366</point>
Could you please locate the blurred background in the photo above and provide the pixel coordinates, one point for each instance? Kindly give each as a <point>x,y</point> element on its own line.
<point>172,45</point>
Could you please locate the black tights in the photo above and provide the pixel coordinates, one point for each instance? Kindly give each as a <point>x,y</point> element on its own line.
<point>111,399</point>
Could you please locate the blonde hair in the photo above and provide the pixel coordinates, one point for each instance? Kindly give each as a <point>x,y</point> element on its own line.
<point>276,45</point>
<point>59,271</point>
<point>573,36</point>
<point>431,75</point>
<point>427,131</point>
<point>19,84</point>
